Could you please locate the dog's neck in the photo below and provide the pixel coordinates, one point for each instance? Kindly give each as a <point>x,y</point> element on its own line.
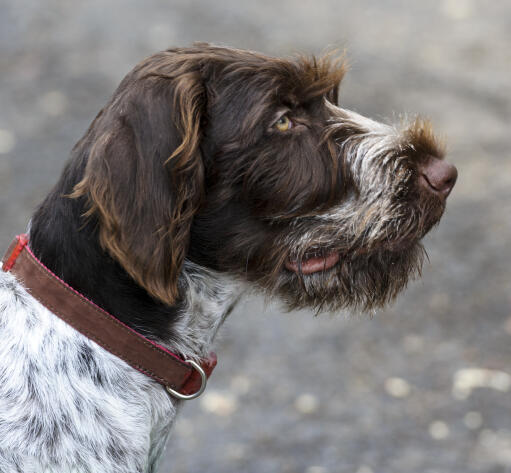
<point>69,247</point>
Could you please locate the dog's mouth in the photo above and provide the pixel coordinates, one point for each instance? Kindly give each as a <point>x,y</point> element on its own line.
<point>313,262</point>
<point>317,260</point>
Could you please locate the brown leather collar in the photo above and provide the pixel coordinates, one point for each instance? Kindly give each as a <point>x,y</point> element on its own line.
<point>183,379</point>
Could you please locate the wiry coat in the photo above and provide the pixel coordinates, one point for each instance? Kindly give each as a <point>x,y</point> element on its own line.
<point>209,168</point>
<point>68,405</point>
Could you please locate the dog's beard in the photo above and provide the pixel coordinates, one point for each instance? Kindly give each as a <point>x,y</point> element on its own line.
<point>356,257</point>
<point>358,281</point>
<point>332,267</point>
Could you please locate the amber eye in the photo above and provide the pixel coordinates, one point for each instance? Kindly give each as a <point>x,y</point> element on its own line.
<point>284,123</point>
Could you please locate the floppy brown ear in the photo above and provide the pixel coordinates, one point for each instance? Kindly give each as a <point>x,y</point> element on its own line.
<point>143,178</point>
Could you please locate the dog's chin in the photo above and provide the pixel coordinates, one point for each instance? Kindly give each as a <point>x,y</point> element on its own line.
<point>360,281</point>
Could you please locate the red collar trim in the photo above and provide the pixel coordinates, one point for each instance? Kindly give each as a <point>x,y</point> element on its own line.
<point>183,379</point>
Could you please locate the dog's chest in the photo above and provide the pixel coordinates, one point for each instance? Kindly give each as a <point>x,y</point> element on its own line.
<point>66,403</point>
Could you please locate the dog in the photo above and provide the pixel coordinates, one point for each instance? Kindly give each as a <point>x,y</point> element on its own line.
<point>210,171</point>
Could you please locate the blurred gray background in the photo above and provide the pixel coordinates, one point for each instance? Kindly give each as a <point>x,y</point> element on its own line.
<point>423,386</point>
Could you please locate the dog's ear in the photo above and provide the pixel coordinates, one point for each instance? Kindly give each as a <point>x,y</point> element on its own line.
<point>143,179</point>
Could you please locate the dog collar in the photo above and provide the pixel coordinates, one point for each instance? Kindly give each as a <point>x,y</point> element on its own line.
<point>183,379</point>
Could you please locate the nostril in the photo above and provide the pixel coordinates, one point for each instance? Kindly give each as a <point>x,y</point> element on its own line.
<point>438,176</point>
<point>450,182</point>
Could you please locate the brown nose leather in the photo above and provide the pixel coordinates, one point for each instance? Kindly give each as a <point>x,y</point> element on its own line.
<point>438,176</point>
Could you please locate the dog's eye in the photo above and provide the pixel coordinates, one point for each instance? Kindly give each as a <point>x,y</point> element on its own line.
<point>284,123</point>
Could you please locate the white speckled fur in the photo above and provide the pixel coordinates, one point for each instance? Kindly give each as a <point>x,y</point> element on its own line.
<point>209,298</point>
<point>67,405</point>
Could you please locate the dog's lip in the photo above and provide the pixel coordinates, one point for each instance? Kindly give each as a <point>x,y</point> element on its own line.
<point>314,264</point>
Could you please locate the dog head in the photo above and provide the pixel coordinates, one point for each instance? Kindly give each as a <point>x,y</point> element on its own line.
<point>246,164</point>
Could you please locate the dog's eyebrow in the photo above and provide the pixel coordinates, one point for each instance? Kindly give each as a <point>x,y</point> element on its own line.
<point>291,101</point>
<point>279,112</point>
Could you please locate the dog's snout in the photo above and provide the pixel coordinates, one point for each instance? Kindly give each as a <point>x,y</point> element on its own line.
<point>438,176</point>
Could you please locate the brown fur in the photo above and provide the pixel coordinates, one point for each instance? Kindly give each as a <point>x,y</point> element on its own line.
<point>185,162</point>
<point>147,232</point>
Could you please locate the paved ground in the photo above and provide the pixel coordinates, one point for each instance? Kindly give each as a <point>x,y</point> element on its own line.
<point>422,387</point>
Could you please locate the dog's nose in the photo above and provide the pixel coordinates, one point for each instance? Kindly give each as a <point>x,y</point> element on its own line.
<point>437,176</point>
